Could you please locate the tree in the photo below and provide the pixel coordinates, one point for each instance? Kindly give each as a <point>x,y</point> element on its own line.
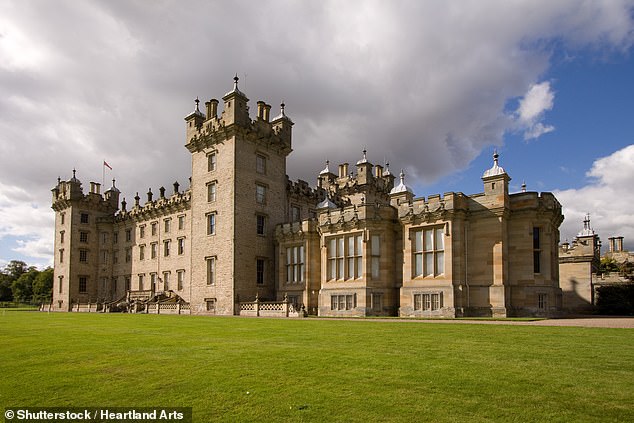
<point>23,286</point>
<point>43,286</point>
<point>16,268</point>
<point>5,287</point>
<point>608,265</point>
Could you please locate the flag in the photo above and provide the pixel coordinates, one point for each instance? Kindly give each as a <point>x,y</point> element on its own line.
<point>107,165</point>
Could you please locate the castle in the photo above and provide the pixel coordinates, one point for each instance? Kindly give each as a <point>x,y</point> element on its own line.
<point>243,239</point>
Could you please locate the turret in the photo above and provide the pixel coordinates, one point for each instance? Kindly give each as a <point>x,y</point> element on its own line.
<point>112,196</point>
<point>326,177</point>
<point>496,181</point>
<point>364,170</point>
<point>282,125</point>
<point>401,193</point>
<point>236,109</point>
<point>194,121</point>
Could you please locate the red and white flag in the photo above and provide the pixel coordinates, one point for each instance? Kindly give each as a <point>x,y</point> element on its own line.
<point>107,165</point>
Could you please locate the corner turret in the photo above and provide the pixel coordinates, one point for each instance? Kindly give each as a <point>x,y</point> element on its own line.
<point>236,109</point>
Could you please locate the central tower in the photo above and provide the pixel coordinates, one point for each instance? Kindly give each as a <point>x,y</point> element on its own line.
<point>238,196</point>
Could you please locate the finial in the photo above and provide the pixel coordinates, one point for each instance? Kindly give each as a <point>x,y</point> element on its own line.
<point>59,179</point>
<point>402,175</point>
<point>364,153</point>
<point>197,101</point>
<point>235,82</point>
<point>523,186</point>
<point>113,181</point>
<point>74,173</point>
<point>282,105</point>
<point>495,156</point>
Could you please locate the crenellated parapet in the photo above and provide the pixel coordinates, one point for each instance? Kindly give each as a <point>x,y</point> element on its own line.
<point>207,130</point>
<point>369,184</point>
<point>152,209</point>
<point>354,216</point>
<point>295,231</point>
<point>68,193</point>
<point>544,203</point>
<point>433,208</point>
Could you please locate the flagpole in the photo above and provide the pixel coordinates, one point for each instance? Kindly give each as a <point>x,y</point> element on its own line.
<point>103,174</point>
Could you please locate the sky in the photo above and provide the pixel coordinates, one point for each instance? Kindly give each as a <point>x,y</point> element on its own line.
<point>432,87</point>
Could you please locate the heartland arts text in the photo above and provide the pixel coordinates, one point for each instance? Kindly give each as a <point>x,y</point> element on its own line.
<point>100,414</point>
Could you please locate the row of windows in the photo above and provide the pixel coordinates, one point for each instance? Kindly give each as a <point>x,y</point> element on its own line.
<point>343,302</point>
<point>163,283</point>
<point>212,220</point>
<point>167,245</point>
<point>167,226</point>
<point>260,162</point>
<point>428,302</point>
<point>259,271</point>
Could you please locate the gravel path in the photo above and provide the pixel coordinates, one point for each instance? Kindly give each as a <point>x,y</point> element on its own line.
<point>587,322</point>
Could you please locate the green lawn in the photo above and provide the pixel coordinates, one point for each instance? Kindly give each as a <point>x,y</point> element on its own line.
<point>257,370</point>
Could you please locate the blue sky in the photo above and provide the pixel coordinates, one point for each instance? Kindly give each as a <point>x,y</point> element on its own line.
<point>433,87</point>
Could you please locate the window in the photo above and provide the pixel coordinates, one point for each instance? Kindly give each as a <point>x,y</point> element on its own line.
<point>61,255</point>
<point>153,282</point>
<point>342,302</point>
<point>62,218</point>
<point>295,213</point>
<point>128,235</point>
<point>83,256</point>
<point>61,237</point>
<point>260,164</point>
<point>166,247</point>
<point>166,281</point>
<point>211,304</point>
<point>428,302</point>
<point>376,255</point>
<point>114,284</point>
<point>104,256</point>
<point>377,302</point>
<point>153,250</point>
<point>83,237</point>
<point>128,254</point>
<point>428,250</point>
<point>536,250</point>
<point>295,264</point>
<point>211,161</point>
<point>542,301</point>
<point>180,278</point>
<point>181,246</point>
<point>104,237</point>
<point>181,223</point>
<point>259,271</point>
<point>61,283</point>
<point>211,224</point>
<point>127,283</point>
<point>141,282</point>
<point>345,257</point>
<point>115,257</point>
<point>154,226</point>
<point>260,194</point>
<point>141,252</point>
<point>83,284</point>
<point>142,231</point>
<point>211,270</point>
<point>260,224</point>
<point>83,218</point>
<point>211,192</point>
<point>115,238</point>
<point>167,224</point>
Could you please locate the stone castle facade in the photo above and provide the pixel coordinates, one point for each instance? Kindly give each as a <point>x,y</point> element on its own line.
<point>243,237</point>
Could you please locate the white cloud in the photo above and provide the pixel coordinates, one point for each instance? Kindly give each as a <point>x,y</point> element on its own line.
<point>608,198</point>
<point>532,108</point>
